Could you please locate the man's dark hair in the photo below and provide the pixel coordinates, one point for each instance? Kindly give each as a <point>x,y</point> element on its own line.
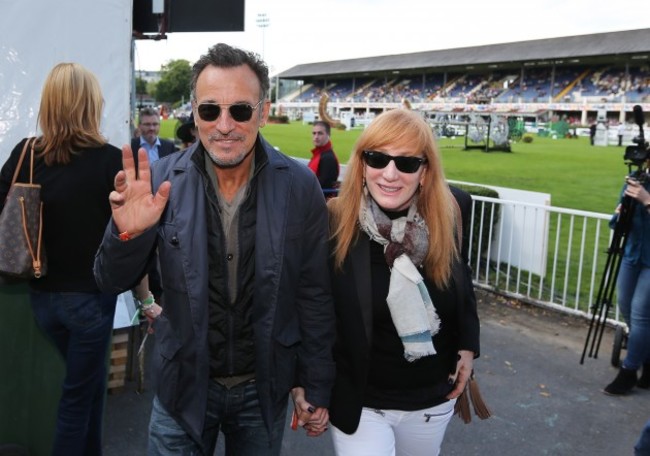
<point>323,124</point>
<point>224,56</point>
<point>148,112</point>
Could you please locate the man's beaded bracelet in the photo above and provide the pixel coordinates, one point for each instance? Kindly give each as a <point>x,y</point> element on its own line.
<point>147,303</point>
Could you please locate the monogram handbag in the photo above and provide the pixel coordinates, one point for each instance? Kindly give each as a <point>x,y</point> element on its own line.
<point>21,226</point>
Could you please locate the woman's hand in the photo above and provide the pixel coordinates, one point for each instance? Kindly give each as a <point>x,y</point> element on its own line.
<point>635,190</point>
<point>313,419</point>
<point>464,368</point>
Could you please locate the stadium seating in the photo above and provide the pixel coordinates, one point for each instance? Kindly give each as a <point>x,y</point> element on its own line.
<point>565,84</point>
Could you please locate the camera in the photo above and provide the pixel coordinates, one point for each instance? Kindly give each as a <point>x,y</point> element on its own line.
<point>639,153</point>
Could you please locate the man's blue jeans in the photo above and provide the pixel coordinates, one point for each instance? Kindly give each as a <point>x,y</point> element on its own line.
<point>236,412</point>
<point>633,290</point>
<point>80,326</point>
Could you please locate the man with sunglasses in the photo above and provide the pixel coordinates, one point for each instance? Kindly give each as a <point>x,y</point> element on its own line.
<point>242,233</point>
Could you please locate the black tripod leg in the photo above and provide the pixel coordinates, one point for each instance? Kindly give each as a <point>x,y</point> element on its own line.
<point>605,294</point>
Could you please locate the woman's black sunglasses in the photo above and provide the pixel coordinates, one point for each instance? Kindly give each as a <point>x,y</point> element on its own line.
<point>381,160</point>
<point>240,112</point>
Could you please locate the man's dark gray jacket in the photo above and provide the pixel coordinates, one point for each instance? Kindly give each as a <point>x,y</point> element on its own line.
<point>293,316</point>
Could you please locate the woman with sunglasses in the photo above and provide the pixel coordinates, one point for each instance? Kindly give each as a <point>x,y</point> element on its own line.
<point>407,326</point>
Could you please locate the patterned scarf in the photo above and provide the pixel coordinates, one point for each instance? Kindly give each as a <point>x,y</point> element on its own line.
<point>405,242</point>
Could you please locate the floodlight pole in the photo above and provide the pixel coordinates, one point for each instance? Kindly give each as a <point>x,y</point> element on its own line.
<point>277,88</point>
<point>263,22</point>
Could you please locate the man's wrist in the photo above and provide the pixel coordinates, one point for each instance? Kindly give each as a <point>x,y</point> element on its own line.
<point>127,235</point>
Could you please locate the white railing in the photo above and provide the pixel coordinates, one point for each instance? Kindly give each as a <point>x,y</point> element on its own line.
<point>545,255</point>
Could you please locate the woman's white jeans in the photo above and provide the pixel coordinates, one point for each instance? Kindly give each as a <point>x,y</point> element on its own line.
<point>396,433</point>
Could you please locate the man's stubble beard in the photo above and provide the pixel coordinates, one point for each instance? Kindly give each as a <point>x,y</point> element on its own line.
<point>231,163</point>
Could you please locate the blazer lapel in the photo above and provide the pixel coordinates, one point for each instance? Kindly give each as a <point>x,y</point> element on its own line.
<point>360,262</point>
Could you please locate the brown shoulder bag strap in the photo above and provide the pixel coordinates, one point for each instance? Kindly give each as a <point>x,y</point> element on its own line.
<point>20,161</point>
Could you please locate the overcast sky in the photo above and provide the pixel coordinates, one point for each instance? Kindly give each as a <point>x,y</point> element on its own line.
<point>305,31</point>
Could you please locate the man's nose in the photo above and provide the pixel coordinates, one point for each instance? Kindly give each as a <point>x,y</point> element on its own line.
<point>225,123</point>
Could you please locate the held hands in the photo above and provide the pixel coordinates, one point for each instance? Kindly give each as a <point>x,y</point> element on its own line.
<point>134,207</point>
<point>313,419</point>
<point>464,368</point>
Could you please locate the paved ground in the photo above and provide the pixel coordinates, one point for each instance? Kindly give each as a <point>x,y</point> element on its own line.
<point>543,401</point>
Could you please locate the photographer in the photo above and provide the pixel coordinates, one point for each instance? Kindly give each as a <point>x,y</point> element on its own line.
<point>633,286</point>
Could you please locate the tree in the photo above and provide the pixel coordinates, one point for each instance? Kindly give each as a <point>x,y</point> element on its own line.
<point>140,86</point>
<point>174,83</point>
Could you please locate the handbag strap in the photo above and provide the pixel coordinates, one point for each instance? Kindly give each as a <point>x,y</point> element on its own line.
<point>31,164</point>
<point>20,162</point>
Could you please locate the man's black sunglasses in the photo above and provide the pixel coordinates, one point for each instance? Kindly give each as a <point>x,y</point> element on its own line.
<point>240,112</point>
<point>381,160</point>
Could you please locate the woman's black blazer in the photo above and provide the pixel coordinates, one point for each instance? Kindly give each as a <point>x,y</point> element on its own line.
<point>352,300</point>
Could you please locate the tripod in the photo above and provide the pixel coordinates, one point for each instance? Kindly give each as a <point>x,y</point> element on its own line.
<point>600,308</point>
<point>635,156</point>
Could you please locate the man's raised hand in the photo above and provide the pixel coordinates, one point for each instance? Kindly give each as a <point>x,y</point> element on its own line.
<point>134,207</point>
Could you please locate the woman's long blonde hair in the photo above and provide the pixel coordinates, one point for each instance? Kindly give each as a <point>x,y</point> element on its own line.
<point>70,113</point>
<point>435,201</point>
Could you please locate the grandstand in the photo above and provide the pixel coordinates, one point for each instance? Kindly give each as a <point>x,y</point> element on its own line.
<point>573,77</point>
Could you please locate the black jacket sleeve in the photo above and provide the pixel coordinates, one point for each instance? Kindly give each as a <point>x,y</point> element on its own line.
<point>328,170</point>
<point>467,309</point>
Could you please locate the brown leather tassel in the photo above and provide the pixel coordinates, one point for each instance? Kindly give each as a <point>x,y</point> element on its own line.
<point>462,406</point>
<point>480,407</point>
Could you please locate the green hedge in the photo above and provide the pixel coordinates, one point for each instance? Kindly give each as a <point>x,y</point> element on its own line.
<point>279,119</point>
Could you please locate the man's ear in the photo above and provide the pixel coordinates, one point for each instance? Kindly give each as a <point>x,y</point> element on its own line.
<point>264,114</point>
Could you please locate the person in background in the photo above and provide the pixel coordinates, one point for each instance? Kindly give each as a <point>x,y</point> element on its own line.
<point>633,290</point>
<point>156,147</point>
<point>592,132</point>
<point>149,128</point>
<point>241,232</point>
<point>75,167</point>
<point>323,161</point>
<point>186,132</point>
<point>407,323</point>
<point>620,131</point>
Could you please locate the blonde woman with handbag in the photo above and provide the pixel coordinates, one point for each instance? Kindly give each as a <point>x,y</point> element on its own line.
<point>75,166</point>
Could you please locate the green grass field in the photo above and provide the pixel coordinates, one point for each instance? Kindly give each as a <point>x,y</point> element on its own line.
<point>575,174</point>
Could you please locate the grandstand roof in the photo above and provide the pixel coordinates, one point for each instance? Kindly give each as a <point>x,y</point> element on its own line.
<point>580,48</point>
